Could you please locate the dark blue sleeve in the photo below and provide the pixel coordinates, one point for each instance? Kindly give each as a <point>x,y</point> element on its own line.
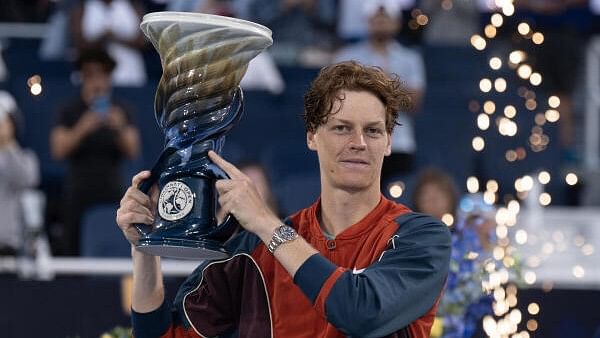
<point>399,288</point>
<point>152,324</point>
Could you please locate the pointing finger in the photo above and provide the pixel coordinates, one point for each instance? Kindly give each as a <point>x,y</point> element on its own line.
<point>229,168</point>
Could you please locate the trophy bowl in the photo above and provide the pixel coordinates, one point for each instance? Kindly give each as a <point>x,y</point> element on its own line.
<point>198,100</point>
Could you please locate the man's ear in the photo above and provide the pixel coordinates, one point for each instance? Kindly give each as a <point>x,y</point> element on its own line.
<point>388,148</point>
<point>310,140</point>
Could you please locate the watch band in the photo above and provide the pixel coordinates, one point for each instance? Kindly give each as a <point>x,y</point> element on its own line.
<point>282,234</point>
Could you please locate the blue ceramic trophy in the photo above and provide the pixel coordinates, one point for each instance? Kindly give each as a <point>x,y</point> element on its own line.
<point>198,100</point>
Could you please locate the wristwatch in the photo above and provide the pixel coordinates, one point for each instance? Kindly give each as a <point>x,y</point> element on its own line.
<point>281,235</point>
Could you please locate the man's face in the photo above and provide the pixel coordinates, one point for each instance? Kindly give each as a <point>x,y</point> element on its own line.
<point>352,144</point>
<point>383,26</point>
<point>434,201</point>
<point>95,80</point>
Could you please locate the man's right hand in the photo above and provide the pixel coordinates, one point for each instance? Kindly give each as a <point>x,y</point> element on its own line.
<point>136,207</point>
<point>87,123</point>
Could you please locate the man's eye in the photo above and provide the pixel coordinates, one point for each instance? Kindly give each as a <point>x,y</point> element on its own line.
<point>341,128</point>
<point>374,131</point>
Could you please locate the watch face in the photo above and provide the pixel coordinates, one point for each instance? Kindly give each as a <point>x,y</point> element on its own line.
<point>287,233</point>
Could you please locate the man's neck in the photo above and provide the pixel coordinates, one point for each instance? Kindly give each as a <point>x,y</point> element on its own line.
<point>340,209</point>
<point>380,45</point>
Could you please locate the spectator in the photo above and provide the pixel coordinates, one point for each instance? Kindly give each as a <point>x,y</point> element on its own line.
<point>302,29</point>
<point>93,134</point>
<point>381,49</point>
<point>115,26</point>
<point>451,23</point>
<point>19,170</point>
<point>463,304</point>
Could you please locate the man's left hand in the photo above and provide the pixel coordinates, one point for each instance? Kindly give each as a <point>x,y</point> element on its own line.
<point>238,196</point>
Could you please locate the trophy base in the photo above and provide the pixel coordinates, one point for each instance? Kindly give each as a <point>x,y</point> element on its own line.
<point>201,249</point>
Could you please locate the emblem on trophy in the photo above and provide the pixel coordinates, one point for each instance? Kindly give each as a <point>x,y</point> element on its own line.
<point>198,100</point>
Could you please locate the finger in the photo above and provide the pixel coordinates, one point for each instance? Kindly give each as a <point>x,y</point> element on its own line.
<point>126,219</point>
<point>229,168</point>
<point>137,196</point>
<point>224,186</point>
<point>139,177</point>
<point>134,206</point>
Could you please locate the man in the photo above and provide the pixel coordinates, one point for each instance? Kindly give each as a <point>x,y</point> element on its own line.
<point>94,134</point>
<point>352,264</point>
<point>381,49</point>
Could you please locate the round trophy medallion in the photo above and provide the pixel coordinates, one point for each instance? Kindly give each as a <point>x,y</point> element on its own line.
<point>176,201</point>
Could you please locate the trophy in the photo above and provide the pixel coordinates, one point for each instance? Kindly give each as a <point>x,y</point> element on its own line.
<point>198,100</point>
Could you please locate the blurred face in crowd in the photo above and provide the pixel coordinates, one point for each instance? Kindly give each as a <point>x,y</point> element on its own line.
<point>258,176</point>
<point>382,25</point>
<point>352,143</point>
<point>95,80</point>
<point>434,200</point>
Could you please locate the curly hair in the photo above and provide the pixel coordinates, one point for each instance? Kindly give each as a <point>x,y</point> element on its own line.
<point>353,76</point>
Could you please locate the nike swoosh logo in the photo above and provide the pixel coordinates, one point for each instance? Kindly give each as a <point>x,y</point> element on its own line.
<point>357,271</point>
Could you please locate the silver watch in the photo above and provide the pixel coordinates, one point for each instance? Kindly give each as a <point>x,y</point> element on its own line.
<point>281,235</point>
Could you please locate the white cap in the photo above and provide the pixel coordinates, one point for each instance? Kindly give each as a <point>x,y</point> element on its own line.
<point>8,105</point>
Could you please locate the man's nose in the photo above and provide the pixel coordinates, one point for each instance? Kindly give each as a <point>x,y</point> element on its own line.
<point>358,140</point>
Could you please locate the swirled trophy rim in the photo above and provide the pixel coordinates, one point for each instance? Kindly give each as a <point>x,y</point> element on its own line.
<point>210,19</point>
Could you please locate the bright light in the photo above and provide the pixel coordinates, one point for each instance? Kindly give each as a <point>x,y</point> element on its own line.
<point>552,115</point>
<point>523,28</point>
<point>489,197</point>
<point>396,189</point>
<point>535,79</point>
<point>507,127</point>
<point>478,143</point>
<point>578,271</point>
<point>497,20</point>
<point>508,9</point>
<point>483,121</point>
<point>544,177</point>
<point>498,253</point>
<point>495,63</point>
<point>489,107</point>
<point>527,182</point>
<point>501,232</point>
<point>490,31</point>
<point>499,294</point>
<point>485,85</point>
<point>478,42</point>
<point>472,184</point>
<point>530,277</point>
<point>515,316</point>
<point>510,111</point>
<point>524,71</point>
<point>545,198</point>
<point>571,179</point>
<point>492,185</point>
<point>514,206</point>
<point>500,85</point>
<point>448,219</point>
<point>36,89</point>
<point>533,309</point>
<point>538,38</point>
<point>554,101</point>
<point>516,56</point>
<point>521,236</point>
